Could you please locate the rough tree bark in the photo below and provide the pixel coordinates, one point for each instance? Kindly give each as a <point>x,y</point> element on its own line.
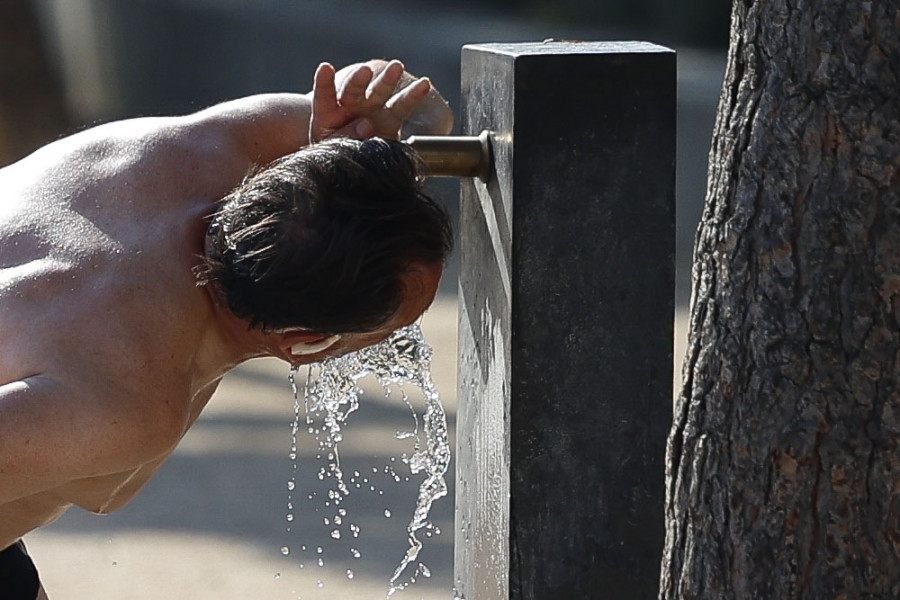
<point>32,106</point>
<point>783,476</point>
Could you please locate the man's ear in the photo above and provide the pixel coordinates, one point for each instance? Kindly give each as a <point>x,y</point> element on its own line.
<point>304,343</point>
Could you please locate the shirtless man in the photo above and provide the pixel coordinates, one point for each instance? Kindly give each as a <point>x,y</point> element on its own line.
<point>129,287</point>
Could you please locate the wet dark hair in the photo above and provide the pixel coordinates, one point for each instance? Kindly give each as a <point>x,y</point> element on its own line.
<point>319,239</point>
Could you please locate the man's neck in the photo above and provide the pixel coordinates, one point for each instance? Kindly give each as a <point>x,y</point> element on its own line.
<point>227,341</point>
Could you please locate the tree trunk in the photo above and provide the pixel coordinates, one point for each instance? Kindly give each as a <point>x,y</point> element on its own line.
<point>783,470</point>
<point>32,107</point>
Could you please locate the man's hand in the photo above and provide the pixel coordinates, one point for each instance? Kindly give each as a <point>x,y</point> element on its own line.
<point>374,99</point>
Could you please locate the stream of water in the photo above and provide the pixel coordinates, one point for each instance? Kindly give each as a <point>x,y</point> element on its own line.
<point>331,394</point>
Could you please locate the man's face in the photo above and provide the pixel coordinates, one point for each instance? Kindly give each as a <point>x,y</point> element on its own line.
<point>420,286</point>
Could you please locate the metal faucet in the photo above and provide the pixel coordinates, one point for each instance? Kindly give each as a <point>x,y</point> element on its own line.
<point>454,155</point>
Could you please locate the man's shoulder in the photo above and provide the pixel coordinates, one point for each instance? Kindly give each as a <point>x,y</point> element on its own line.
<point>170,158</point>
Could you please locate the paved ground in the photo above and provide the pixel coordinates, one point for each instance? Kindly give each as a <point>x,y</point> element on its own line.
<point>212,524</point>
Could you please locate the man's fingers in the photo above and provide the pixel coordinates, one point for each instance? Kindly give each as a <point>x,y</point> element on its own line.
<point>324,102</point>
<point>382,87</point>
<point>324,94</point>
<point>353,91</point>
<point>402,104</point>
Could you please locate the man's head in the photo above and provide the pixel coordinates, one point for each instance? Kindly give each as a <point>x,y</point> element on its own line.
<point>336,238</point>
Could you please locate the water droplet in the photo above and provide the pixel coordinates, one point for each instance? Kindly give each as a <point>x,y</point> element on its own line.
<point>387,513</point>
<point>320,583</point>
<point>285,550</point>
<point>318,549</point>
<point>425,571</point>
<point>289,517</point>
<point>115,563</point>
<point>277,575</point>
<point>291,485</point>
<point>349,573</point>
<point>336,534</point>
<point>320,562</point>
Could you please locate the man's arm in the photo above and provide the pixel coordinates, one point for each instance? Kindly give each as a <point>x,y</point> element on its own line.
<point>261,127</point>
<point>377,98</point>
<point>50,436</point>
<point>208,153</point>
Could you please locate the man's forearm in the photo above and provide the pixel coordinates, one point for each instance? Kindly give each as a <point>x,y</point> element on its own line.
<point>266,126</point>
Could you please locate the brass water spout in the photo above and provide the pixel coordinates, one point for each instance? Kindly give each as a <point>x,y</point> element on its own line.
<point>454,155</point>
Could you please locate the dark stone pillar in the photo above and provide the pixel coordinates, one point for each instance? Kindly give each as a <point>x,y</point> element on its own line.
<point>566,316</point>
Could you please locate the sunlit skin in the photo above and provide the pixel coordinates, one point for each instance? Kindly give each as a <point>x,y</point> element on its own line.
<point>108,348</point>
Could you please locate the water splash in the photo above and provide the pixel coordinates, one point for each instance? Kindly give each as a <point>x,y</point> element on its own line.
<point>332,394</point>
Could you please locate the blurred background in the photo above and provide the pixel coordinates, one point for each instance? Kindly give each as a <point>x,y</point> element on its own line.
<point>212,524</point>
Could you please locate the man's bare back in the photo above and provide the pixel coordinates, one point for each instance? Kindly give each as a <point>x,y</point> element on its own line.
<point>109,349</point>
<point>101,353</point>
